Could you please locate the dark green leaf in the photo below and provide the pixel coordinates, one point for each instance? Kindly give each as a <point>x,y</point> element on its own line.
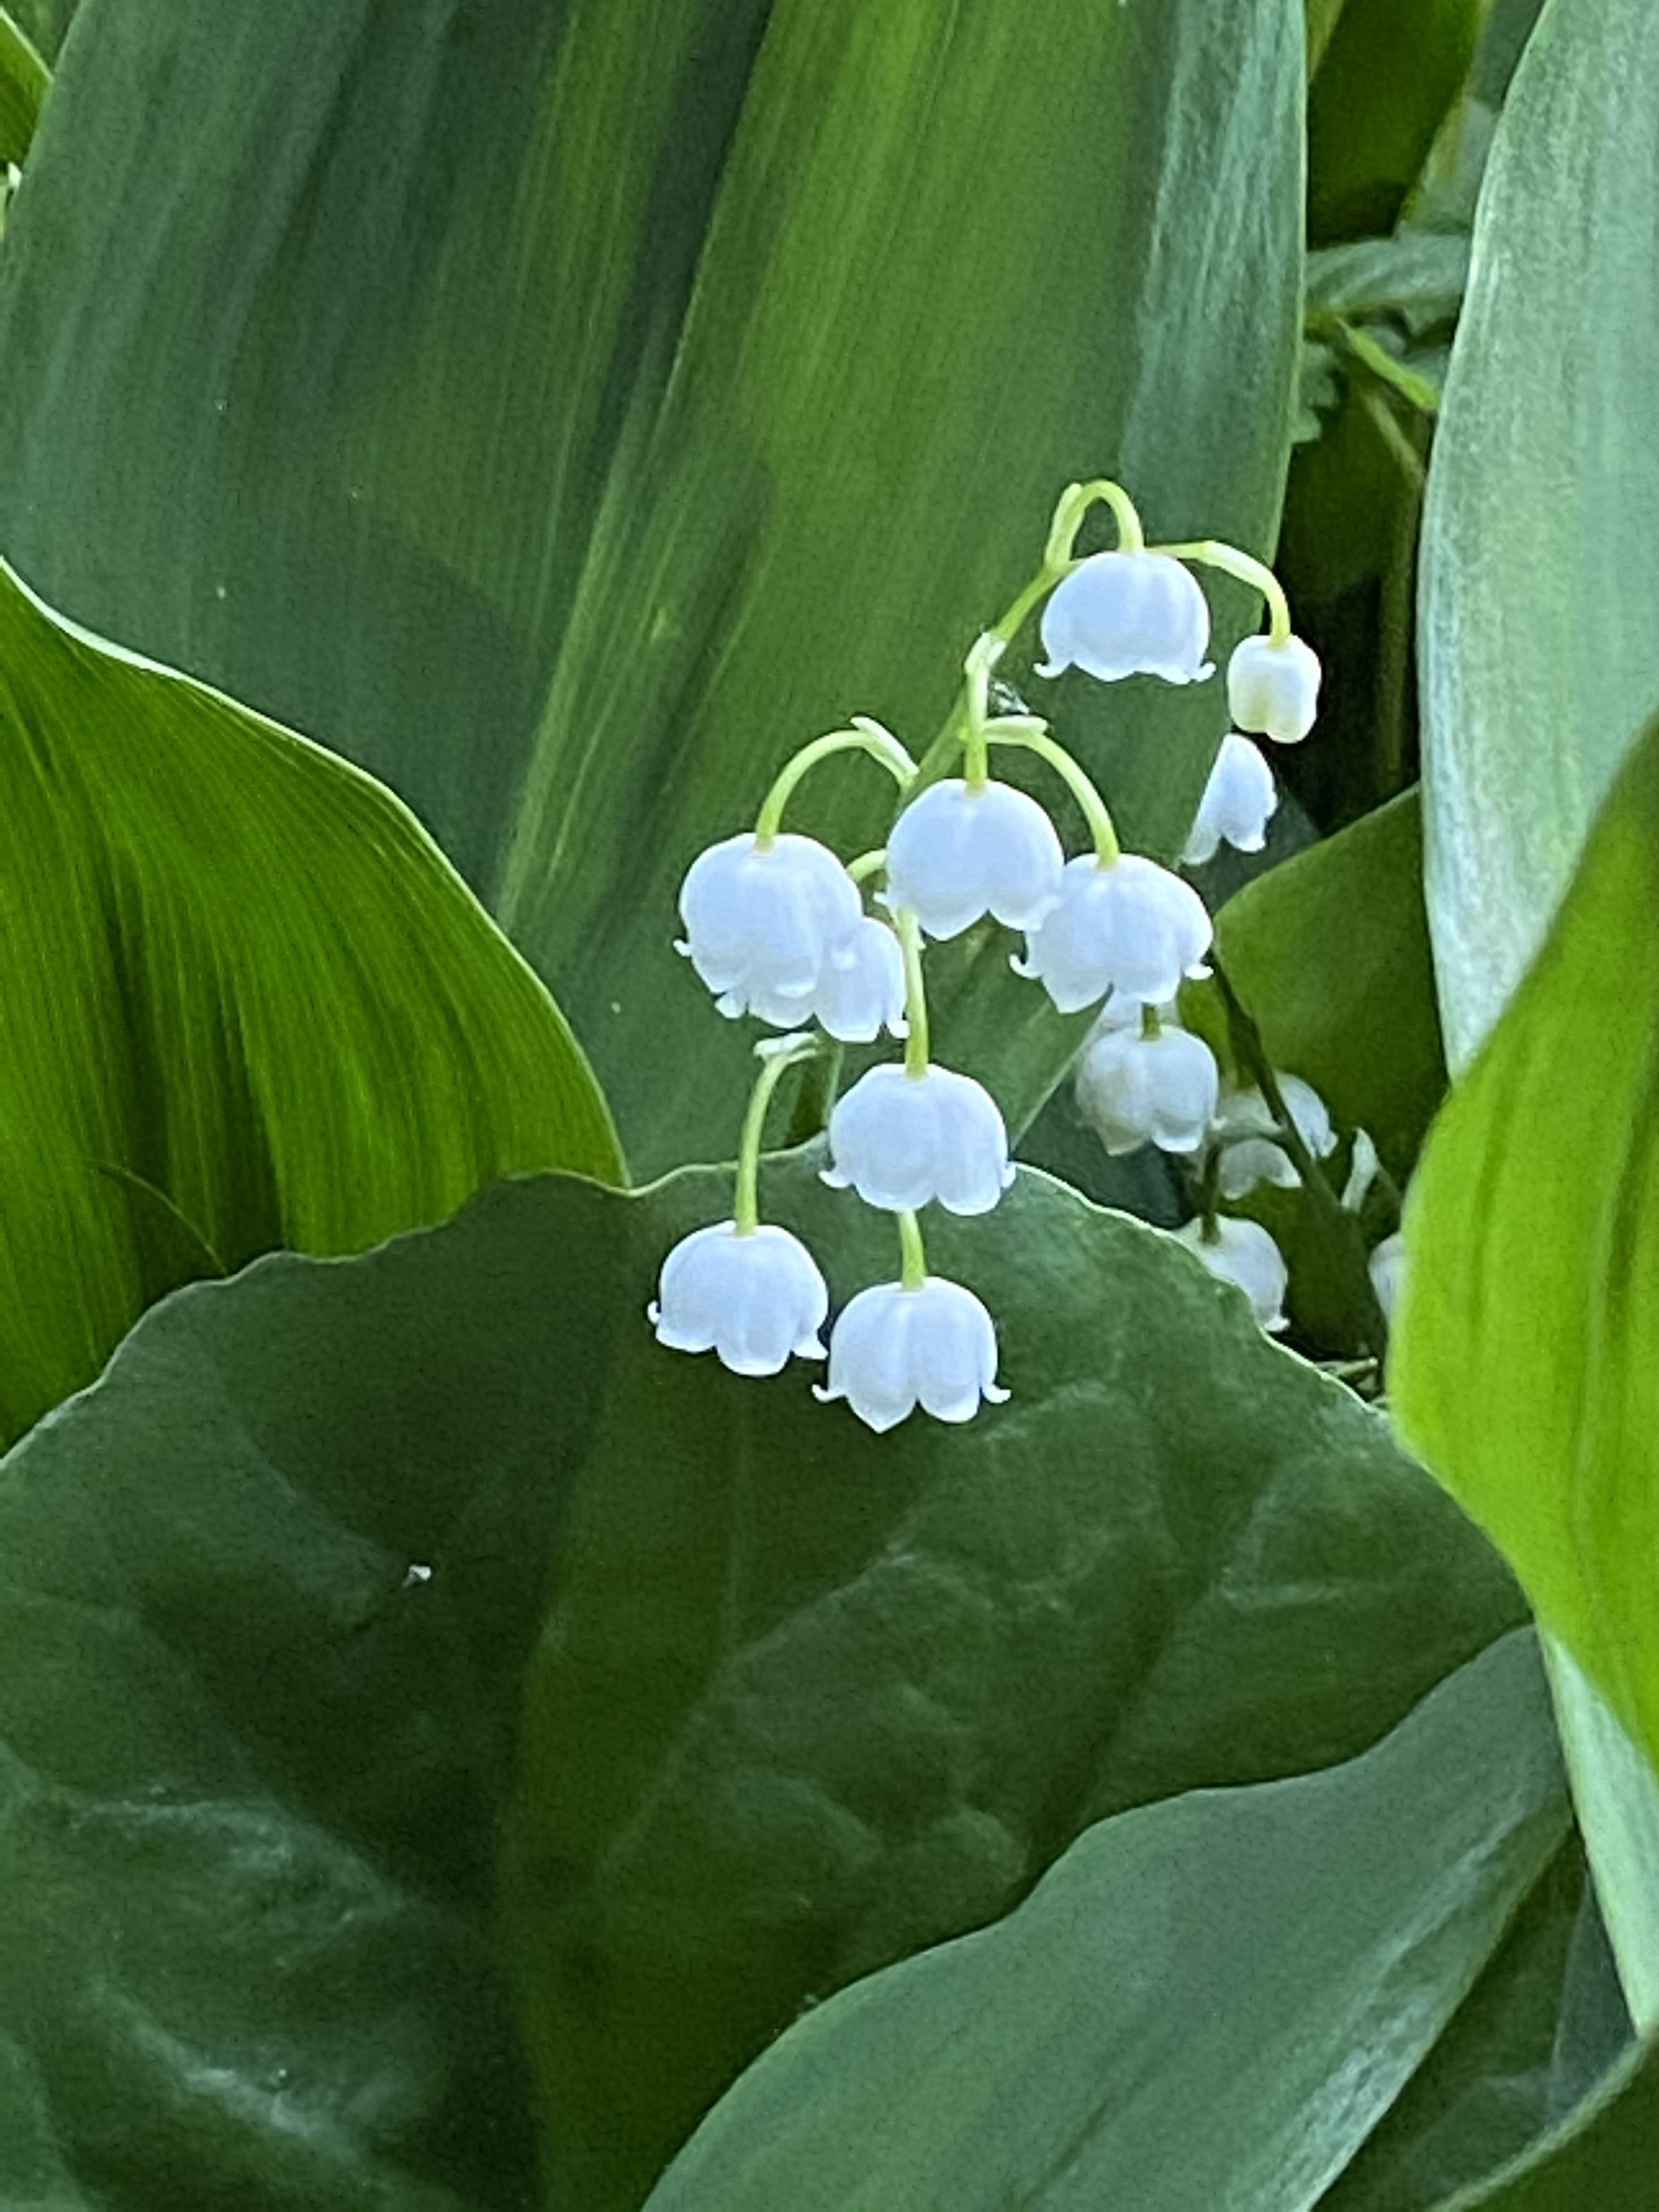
<point>1390,74</point>
<point>1206,2003</point>
<point>603,403</point>
<point>245,1004</point>
<point>1601,2160</point>
<point>1330,952</point>
<point>810,1700</point>
<point>1489,2086</point>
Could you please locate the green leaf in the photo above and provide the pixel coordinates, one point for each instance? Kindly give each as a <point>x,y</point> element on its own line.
<point>1388,75</point>
<point>1523,1367</point>
<point>810,1700</point>
<point>1208,2002</point>
<point>1329,951</point>
<point>1418,274</point>
<point>1508,2062</point>
<point>246,1003</point>
<point>606,401</point>
<point>1541,657</point>
<point>267,1589</point>
<point>44,22</point>
<point>23,81</point>
<point>1601,2157</point>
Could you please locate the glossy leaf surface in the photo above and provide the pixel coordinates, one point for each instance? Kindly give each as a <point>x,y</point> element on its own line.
<point>1208,2001</point>
<point>606,401</point>
<point>245,1003</point>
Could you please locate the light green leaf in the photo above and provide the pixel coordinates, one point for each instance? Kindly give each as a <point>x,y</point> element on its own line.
<point>810,1700</point>
<point>1523,1366</point>
<point>1209,2001</point>
<point>607,401</point>
<point>1540,652</point>
<point>23,81</point>
<point>1329,951</point>
<point>245,1003</point>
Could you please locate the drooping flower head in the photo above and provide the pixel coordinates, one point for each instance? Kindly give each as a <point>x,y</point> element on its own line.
<point>1243,1252</point>
<point>762,922</point>
<point>1128,614</point>
<point>902,1141</point>
<point>1272,688</point>
<point>1388,1272</point>
<point>1246,1128</point>
<point>1238,802</point>
<point>753,1296</point>
<point>894,1348</point>
<point>1134,1089</point>
<point>1126,926</point>
<point>957,854</point>
<point>860,987</point>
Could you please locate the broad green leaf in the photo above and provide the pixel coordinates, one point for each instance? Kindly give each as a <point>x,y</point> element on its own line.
<point>1513,2057</point>
<point>810,1700</point>
<point>1208,2002</point>
<point>1388,75</point>
<point>44,22</point>
<point>606,401</point>
<point>1540,654</point>
<point>245,1004</point>
<point>1330,952</point>
<point>1600,2160</point>
<point>267,1590</point>
<point>1523,1366</point>
<point>23,81</point>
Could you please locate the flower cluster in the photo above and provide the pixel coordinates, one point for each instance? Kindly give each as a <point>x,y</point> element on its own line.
<point>777,924</point>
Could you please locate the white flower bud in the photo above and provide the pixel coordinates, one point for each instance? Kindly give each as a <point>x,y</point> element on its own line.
<point>752,1298</point>
<point>1126,926</point>
<point>1387,1273</point>
<point>1128,614</point>
<point>861,987</point>
<point>1243,1254</point>
<point>1134,1090</point>
<point>1238,800</point>
<point>957,854</point>
<point>1245,1125</point>
<point>1273,689</point>
<point>893,1349</point>
<point>902,1139</point>
<point>760,925</point>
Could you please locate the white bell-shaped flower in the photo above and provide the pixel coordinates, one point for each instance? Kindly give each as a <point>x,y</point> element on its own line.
<point>894,1349</point>
<point>957,854</point>
<point>1273,690</point>
<point>1243,1252</point>
<point>862,985</point>
<point>1387,1273</point>
<point>753,1297</point>
<point>761,924</point>
<point>1128,614</point>
<point>1245,1127</point>
<point>901,1140</point>
<point>1134,1090</point>
<point>1239,801</point>
<point>1126,926</point>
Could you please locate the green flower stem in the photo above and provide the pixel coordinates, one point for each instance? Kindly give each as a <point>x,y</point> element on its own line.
<point>776,1055</point>
<point>867,865</point>
<point>1151,1025</point>
<point>916,996</point>
<point>913,1271</point>
<point>1074,504</point>
<point>975,709</point>
<point>1032,739</point>
<point>1211,553</point>
<point>866,736</point>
